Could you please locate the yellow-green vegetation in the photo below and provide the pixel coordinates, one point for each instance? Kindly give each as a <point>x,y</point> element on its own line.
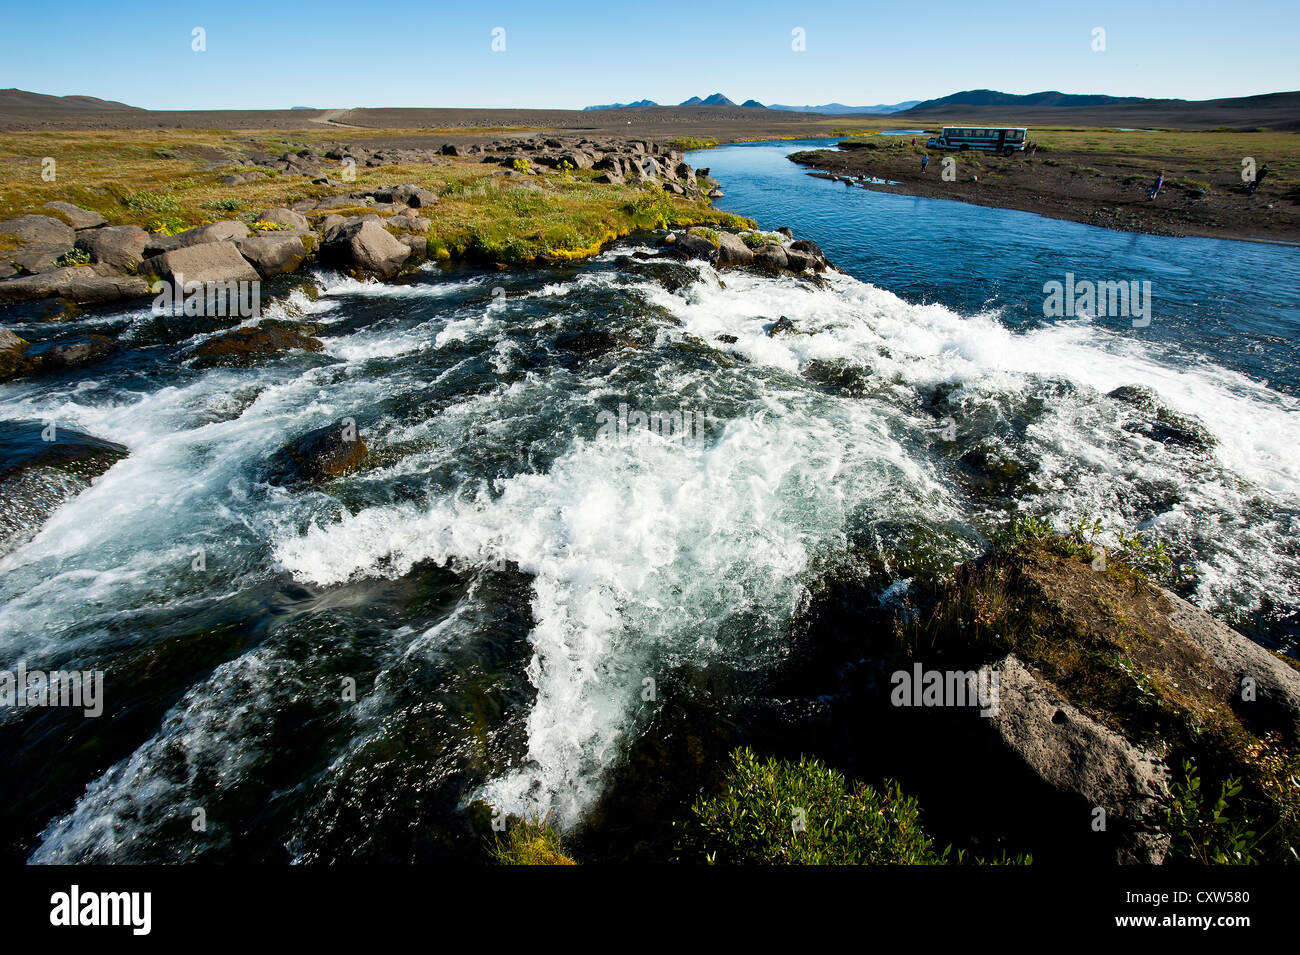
<point>158,180</point>
<point>708,235</point>
<point>529,843</point>
<point>1095,627</point>
<point>691,142</point>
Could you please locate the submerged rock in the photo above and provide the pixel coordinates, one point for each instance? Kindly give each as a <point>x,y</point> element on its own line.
<point>41,467</point>
<point>246,346</point>
<point>329,452</point>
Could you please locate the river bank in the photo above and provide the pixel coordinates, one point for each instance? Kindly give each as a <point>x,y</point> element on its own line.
<point>1097,177</point>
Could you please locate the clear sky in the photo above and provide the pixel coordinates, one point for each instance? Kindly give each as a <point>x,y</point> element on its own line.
<point>327,53</point>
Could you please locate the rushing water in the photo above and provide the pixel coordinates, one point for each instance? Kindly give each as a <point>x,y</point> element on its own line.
<point>508,570</point>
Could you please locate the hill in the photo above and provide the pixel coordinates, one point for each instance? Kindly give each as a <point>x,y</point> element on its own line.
<point>22,99</point>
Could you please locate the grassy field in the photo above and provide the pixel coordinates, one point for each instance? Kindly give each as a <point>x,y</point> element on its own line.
<point>1212,157</point>
<point>170,180</point>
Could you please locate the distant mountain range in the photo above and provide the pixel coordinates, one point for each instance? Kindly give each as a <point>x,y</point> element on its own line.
<point>717,99</point>
<point>11,98</point>
<point>1048,99</point>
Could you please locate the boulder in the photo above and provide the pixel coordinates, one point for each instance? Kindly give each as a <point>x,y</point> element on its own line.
<point>206,263</point>
<point>216,232</point>
<point>120,246</point>
<point>40,230</point>
<point>365,245</point>
<point>245,346</point>
<point>328,452</point>
<point>796,261</point>
<point>76,216</point>
<point>68,353</point>
<point>158,242</point>
<point>285,217</point>
<point>273,253</point>
<point>79,284</point>
<point>1075,754</point>
<point>13,357</point>
<point>1276,684</point>
<point>689,246</point>
<point>772,256</point>
<point>732,250</point>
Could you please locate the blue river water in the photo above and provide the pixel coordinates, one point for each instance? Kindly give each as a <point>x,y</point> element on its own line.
<point>1234,303</point>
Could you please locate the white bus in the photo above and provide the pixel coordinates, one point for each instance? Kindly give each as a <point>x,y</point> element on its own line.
<point>996,139</point>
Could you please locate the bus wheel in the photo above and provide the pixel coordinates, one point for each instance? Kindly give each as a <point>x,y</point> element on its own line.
<point>1007,152</point>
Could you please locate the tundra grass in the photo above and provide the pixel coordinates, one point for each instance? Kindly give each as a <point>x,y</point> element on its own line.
<point>170,180</point>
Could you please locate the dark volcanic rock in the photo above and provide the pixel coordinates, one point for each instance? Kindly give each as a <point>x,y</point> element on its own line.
<point>245,346</point>
<point>590,344</point>
<point>328,452</point>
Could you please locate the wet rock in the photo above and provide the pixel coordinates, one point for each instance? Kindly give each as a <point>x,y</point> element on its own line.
<point>246,346</point>
<point>40,469</point>
<point>70,353</point>
<point>329,452</point>
<point>364,245</point>
<point>591,344</point>
<point>13,354</point>
<point>671,276</point>
<point>782,326</point>
<point>76,216</point>
<point>1161,423</point>
<point>119,246</point>
<point>771,256</point>
<point>796,261</point>
<point>692,246</point>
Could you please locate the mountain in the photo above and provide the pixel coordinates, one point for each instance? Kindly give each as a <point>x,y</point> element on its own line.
<point>15,98</point>
<point>833,108</point>
<point>717,99</point>
<point>755,104</point>
<point>1050,98</point>
<point>640,102</point>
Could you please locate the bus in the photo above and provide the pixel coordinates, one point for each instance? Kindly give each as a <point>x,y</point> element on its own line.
<point>996,139</point>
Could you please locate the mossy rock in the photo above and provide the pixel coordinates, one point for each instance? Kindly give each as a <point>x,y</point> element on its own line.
<point>321,455</point>
<point>247,346</point>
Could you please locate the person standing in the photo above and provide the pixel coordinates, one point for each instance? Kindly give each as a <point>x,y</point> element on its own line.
<point>1157,185</point>
<point>925,161</point>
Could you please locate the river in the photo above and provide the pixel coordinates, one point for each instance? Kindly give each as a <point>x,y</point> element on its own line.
<point>496,605</point>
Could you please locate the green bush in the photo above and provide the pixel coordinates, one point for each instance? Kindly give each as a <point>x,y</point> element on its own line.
<point>1208,832</point>
<point>779,813</point>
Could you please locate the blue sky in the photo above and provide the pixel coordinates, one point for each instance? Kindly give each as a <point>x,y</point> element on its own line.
<point>565,54</point>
